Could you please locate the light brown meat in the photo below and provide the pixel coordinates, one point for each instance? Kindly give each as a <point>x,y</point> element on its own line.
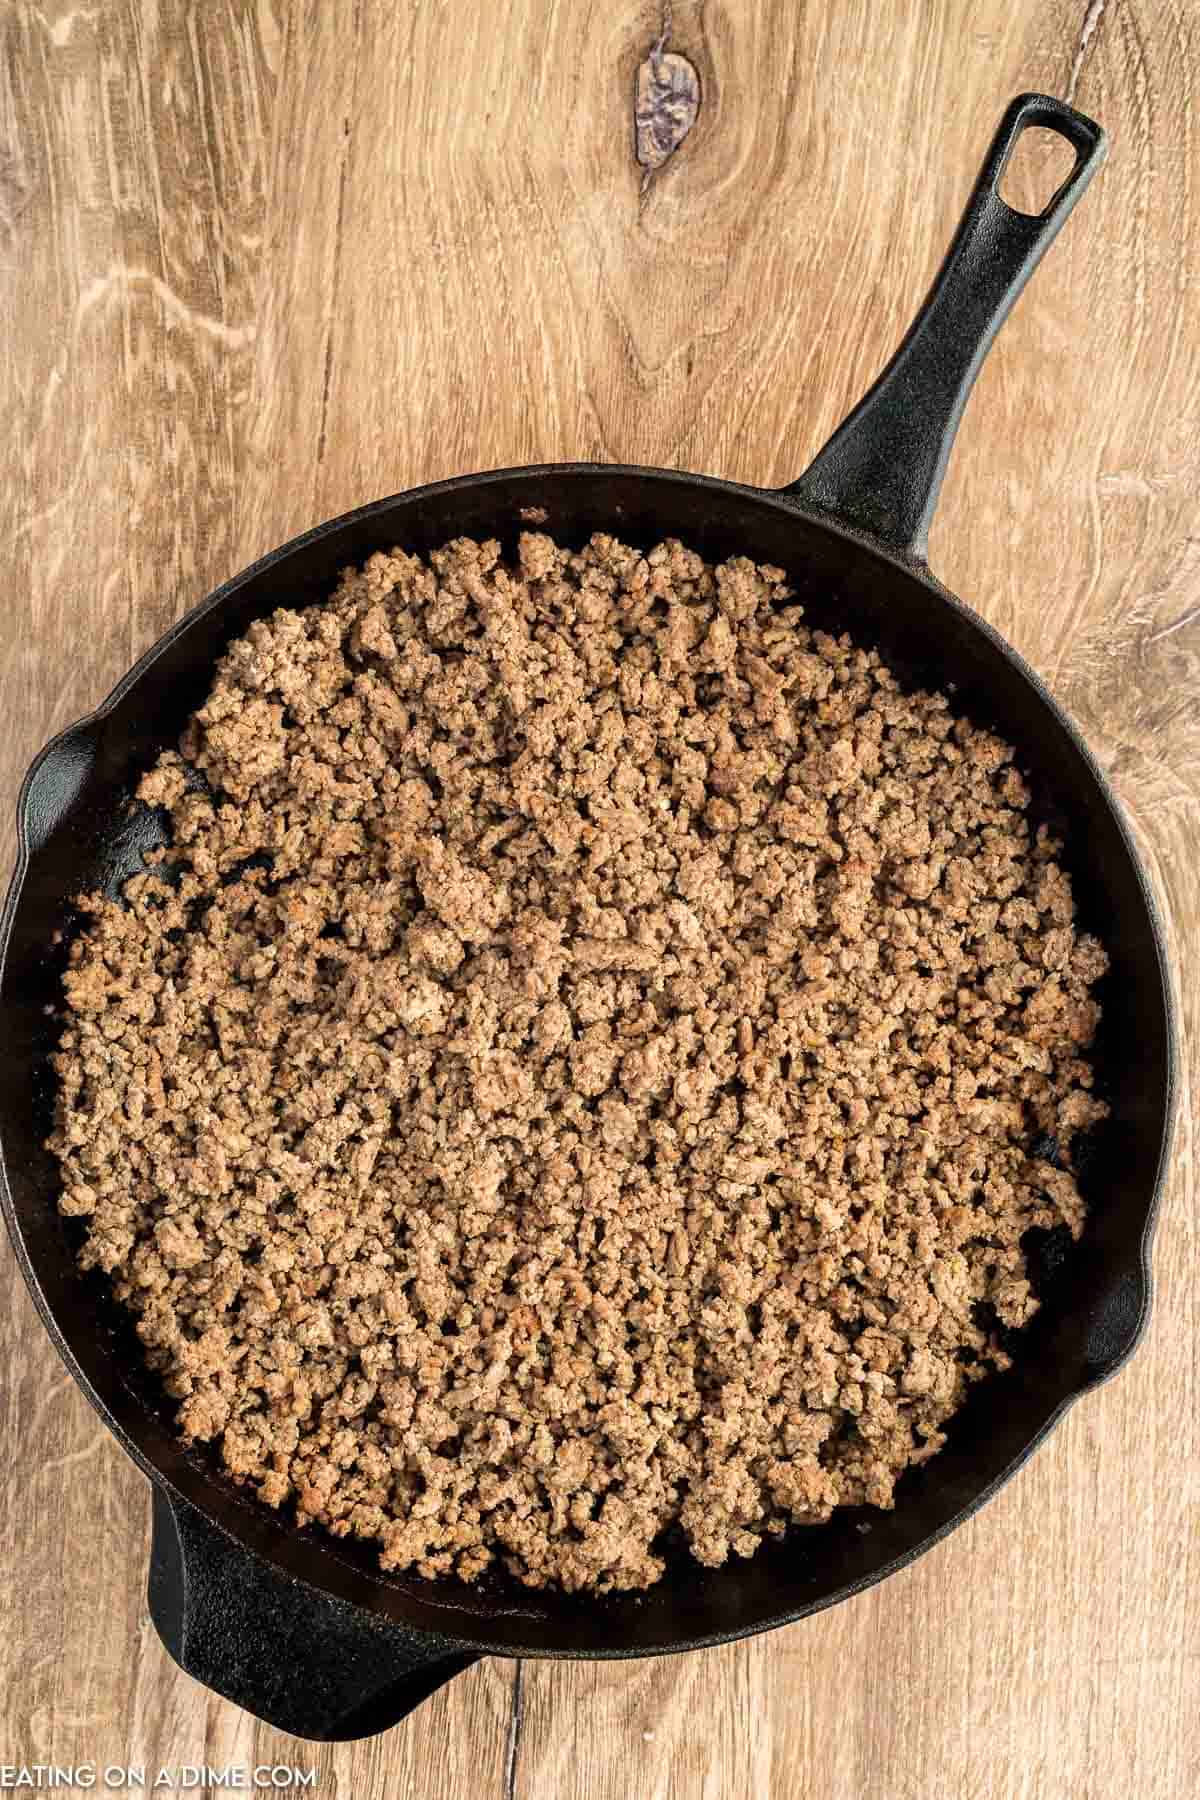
<point>578,1067</point>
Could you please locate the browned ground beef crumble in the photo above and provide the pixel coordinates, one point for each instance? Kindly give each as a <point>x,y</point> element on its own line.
<point>576,1068</point>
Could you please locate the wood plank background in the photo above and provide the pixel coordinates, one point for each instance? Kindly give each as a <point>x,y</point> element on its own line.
<point>262,260</point>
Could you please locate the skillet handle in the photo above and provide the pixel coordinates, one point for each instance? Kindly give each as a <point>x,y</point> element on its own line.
<point>882,469</point>
<point>292,1655</point>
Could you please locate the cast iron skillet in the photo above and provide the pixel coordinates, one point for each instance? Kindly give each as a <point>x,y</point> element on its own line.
<point>306,1632</point>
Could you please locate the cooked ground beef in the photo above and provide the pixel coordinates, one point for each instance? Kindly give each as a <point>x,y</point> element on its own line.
<point>578,1066</point>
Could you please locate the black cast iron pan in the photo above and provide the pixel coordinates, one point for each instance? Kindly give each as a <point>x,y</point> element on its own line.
<point>306,1632</point>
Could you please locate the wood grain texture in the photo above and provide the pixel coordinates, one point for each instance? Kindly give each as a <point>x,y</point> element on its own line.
<point>262,260</point>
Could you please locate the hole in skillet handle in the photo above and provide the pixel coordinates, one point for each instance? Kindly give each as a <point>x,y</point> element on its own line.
<point>300,1659</point>
<point>881,471</point>
<point>1039,162</point>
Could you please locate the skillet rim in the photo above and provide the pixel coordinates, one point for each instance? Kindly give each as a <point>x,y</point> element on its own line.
<point>909,565</point>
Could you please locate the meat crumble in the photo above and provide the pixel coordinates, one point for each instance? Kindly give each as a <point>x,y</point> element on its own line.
<point>578,1067</point>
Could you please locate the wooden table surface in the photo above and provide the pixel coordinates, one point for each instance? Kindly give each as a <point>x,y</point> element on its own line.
<point>262,261</point>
